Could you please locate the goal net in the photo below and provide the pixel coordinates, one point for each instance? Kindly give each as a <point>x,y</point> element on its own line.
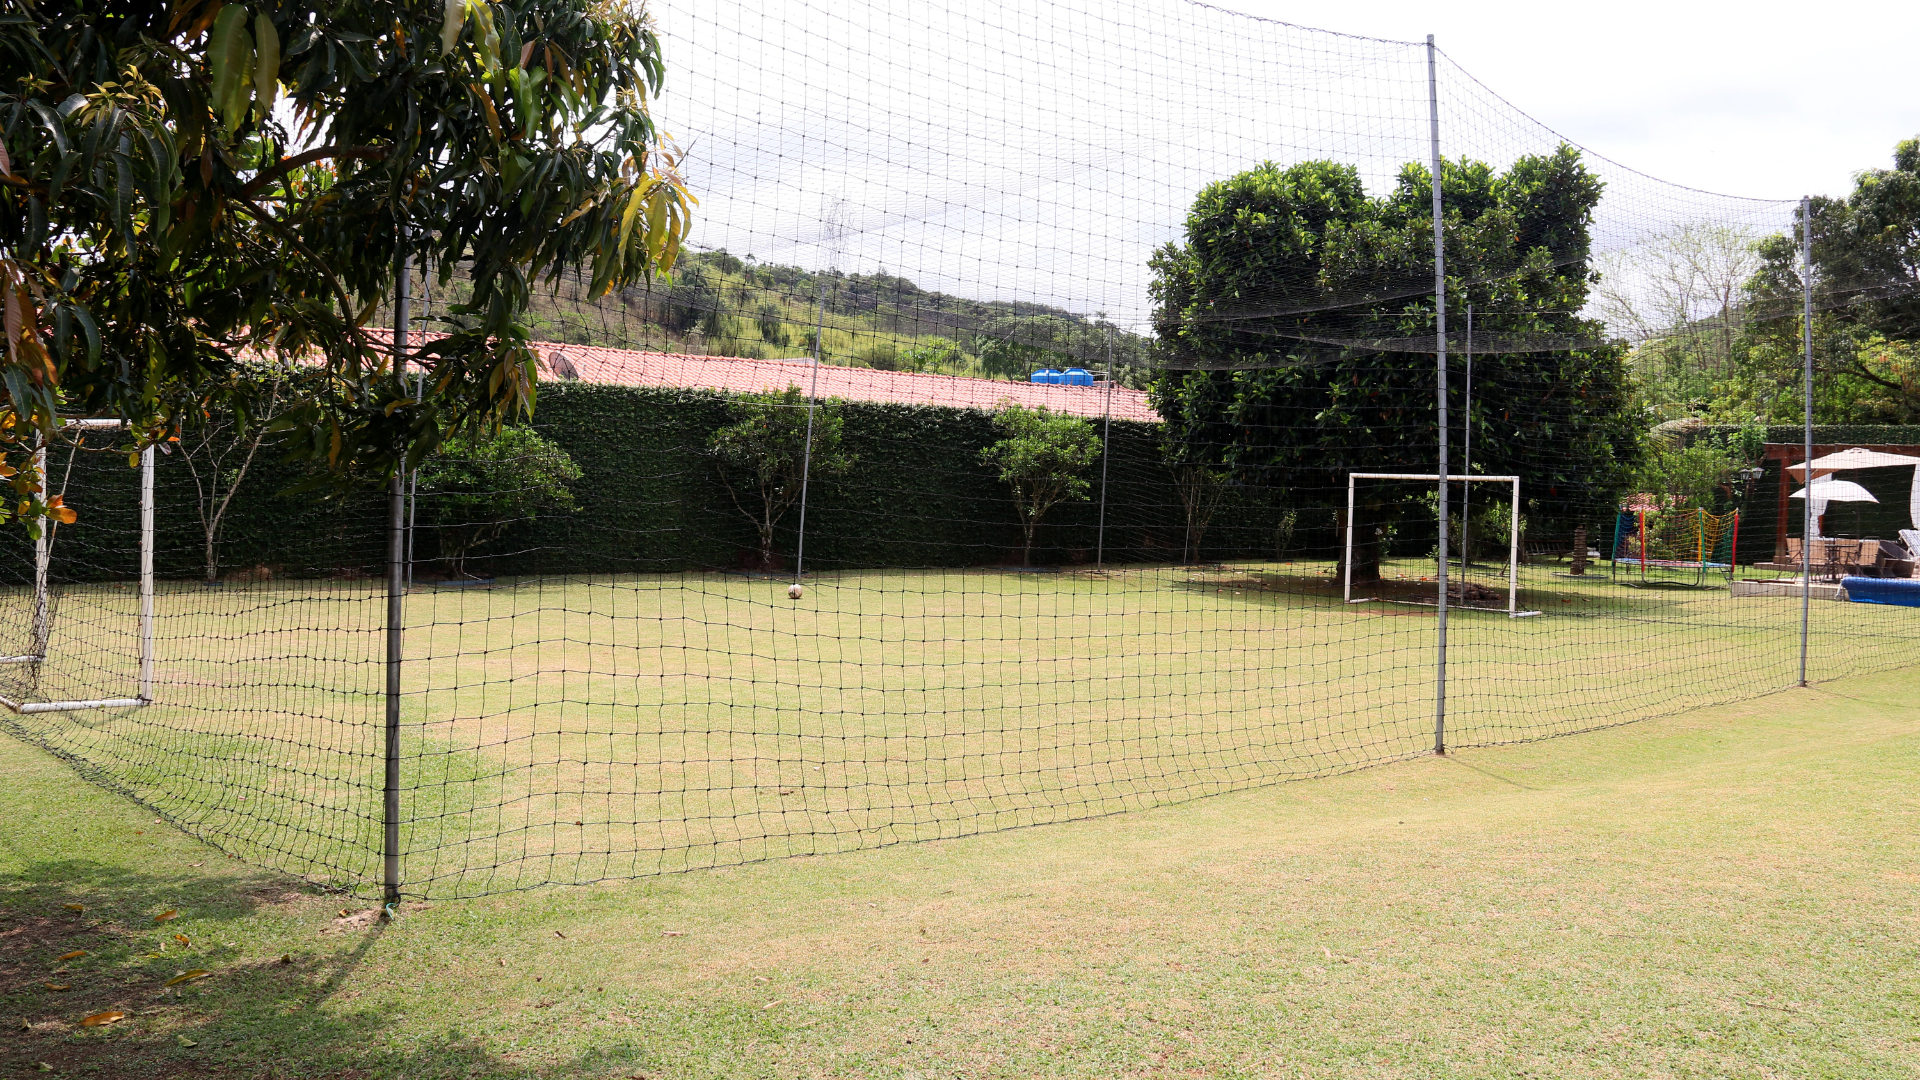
<point>1035,384</point>
<point>74,649</point>
<point>1480,559</point>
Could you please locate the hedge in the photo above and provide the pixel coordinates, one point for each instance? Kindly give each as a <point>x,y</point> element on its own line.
<point>651,502</point>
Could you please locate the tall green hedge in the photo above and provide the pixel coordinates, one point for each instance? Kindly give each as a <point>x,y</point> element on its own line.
<point>650,500</point>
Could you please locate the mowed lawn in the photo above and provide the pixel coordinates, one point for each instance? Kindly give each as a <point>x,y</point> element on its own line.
<point>575,729</point>
<point>1724,892</point>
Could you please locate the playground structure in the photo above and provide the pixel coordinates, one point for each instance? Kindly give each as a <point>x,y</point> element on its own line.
<point>1654,546</point>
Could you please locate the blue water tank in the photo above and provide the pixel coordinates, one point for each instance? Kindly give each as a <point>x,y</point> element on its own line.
<point>1046,375</point>
<point>1074,376</point>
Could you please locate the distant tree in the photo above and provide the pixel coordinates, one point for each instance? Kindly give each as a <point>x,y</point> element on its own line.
<point>773,327</point>
<point>1866,266</point>
<point>218,447</point>
<point>762,457</point>
<point>930,354</point>
<point>479,486</point>
<point>1015,346</point>
<point>1296,319</point>
<point>1041,458</point>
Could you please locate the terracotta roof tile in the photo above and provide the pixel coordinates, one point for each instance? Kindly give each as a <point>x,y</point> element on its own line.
<point>635,367</point>
<point>631,367</point>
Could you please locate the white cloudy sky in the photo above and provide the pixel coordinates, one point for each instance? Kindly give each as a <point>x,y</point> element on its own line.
<point>1041,149</point>
<point>1764,99</point>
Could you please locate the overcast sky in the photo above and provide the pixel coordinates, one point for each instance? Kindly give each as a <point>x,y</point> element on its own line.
<point>1043,149</point>
<point>1763,99</point>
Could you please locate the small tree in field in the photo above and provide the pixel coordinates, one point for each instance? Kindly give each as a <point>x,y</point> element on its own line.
<point>481,485</point>
<point>218,450</point>
<point>762,456</point>
<point>1041,458</point>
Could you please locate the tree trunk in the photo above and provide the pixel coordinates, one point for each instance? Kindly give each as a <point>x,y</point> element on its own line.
<point>1366,546</point>
<point>1026,548</point>
<point>1579,553</point>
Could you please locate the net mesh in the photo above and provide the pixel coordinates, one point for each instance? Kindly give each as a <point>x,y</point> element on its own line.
<point>1109,300</point>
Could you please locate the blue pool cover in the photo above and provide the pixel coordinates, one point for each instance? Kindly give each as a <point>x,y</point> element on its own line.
<point>1865,590</point>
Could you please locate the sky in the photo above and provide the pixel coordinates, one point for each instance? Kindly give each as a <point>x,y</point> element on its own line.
<point>1761,99</point>
<point>1042,150</point>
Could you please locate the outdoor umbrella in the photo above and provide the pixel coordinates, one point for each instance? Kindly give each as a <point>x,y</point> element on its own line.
<point>1860,457</point>
<point>1829,491</point>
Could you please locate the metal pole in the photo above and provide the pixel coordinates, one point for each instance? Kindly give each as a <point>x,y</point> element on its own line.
<point>1106,441</point>
<point>1466,468</point>
<point>396,612</point>
<point>1513,554</point>
<point>1806,424</point>
<point>1440,367</point>
<point>1346,592</point>
<point>146,574</point>
<point>806,455</point>
<point>42,568</point>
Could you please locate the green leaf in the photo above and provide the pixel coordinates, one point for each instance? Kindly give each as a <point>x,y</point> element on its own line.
<point>266,71</point>
<point>450,24</point>
<point>225,52</point>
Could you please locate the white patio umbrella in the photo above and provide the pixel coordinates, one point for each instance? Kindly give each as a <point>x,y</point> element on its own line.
<point>1829,491</point>
<point>1859,457</point>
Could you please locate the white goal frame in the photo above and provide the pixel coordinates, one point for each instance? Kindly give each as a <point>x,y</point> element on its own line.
<point>42,591</point>
<point>1513,539</point>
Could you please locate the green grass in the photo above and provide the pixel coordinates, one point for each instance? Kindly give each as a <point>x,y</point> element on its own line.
<point>574,730</point>
<point>1726,892</point>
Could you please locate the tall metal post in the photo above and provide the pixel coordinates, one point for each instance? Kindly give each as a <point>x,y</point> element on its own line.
<point>396,610</point>
<point>146,574</point>
<point>1806,425</point>
<point>1440,367</point>
<point>1466,466</point>
<point>1106,445</point>
<point>806,454</point>
<point>42,570</point>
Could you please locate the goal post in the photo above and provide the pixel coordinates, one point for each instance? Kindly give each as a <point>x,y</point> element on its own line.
<point>41,619</point>
<point>1513,536</point>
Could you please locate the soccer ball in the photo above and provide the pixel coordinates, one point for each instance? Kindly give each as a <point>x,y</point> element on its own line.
<point>793,591</point>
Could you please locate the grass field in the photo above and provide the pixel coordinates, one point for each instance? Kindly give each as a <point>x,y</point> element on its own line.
<point>1727,892</point>
<point>571,730</point>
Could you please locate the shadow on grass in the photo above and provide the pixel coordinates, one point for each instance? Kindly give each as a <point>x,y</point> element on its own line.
<point>257,1014</point>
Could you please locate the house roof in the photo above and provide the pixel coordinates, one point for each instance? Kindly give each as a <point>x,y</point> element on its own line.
<point>632,367</point>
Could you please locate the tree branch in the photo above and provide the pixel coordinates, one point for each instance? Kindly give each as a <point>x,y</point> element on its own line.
<point>287,165</point>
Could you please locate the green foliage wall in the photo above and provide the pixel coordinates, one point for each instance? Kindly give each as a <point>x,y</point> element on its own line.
<point>650,502</point>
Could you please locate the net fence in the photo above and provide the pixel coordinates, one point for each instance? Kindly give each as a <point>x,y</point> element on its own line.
<point>992,461</point>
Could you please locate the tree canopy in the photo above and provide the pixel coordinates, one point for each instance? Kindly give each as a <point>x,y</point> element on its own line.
<point>1296,323</point>
<point>187,184</point>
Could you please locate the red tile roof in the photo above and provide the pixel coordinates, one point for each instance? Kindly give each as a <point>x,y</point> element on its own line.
<point>631,367</point>
<point>635,367</point>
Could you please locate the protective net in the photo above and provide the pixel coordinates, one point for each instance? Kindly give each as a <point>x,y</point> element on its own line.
<point>988,463</point>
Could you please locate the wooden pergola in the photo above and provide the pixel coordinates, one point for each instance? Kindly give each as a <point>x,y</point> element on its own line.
<point>1788,454</point>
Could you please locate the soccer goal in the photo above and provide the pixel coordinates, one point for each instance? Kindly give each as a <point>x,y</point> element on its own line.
<point>21,685</point>
<point>1381,592</point>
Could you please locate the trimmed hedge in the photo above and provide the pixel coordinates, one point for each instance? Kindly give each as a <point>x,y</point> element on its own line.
<point>650,501</point>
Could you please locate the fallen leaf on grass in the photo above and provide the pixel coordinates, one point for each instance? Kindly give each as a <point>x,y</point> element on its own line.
<point>74,955</point>
<point>58,987</point>
<point>76,907</point>
<point>287,959</point>
<point>673,933</point>
<point>102,1019</point>
<point>170,913</point>
<point>558,934</point>
<point>187,976</point>
<point>182,939</point>
<point>196,864</point>
<point>771,1004</point>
